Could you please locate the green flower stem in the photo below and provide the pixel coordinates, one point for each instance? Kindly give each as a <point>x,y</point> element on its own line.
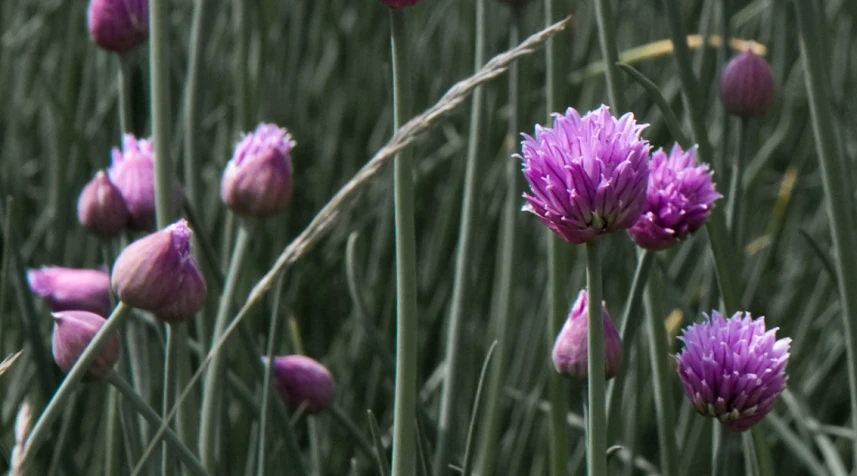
<point>733,213</point>
<point>658,354</point>
<point>210,419</point>
<point>112,434</point>
<point>273,332</point>
<point>557,301</point>
<point>487,455</point>
<point>596,429</point>
<point>607,38</point>
<point>404,431</point>
<point>152,417</point>
<point>451,394</point>
<point>191,107</point>
<point>58,403</point>
<point>123,84</point>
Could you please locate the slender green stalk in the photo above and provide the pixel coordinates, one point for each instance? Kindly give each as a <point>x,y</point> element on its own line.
<point>152,417</point>
<point>170,385</point>
<point>123,84</point>
<point>733,213</point>
<point>58,403</point>
<point>718,450</point>
<point>596,429</point>
<point>607,39</point>
<point>487,455</point>
<point>467,466</point>
<point>838,199</point>
<point>113,434</point>
<point>273,332</point>
<point>191,107</point>
<point>658,354</point>
<point>211,409</point>
<point>463,262</point>
<point>762,451</point>
<point>404,433</point>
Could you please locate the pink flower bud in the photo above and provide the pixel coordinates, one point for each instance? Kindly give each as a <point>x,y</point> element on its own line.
<point>303,381</point>
<point>400,3</point>
<point>100,208</point>
<point>73,331</point>
<point>158,274</point>
<point>69,289</point>
<point>746,85</point>
<point>132,171</point>
<point>258,179</point>
<point>570,357</point>
<point>118,25</point>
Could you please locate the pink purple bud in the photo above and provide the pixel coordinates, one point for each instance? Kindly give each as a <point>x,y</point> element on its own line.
<point>100,208</point>
<point>302,381</point>
<point>570,352</point>
<point>733,369</point>
<point>400,3</point>
<point>118,25</point>
<point>258,179</point>
<point>747,85</point>
<point>158,274</point>
<point>66,289</point>
<point>132,171</point>
<point>588,174</point>
<point>679,199</point>
<point>73,331</point>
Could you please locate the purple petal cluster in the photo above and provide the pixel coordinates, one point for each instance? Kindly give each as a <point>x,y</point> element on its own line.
<point>302,381</point>
<point>570,351</point>
<point>258,179</point>
<point>157,273</point>
<point>73,331</point>
<point>132,171</point>
<point>679,198</point>
<point>118,25</point>
<point>100,207</point>
<point>588,174</point>
<point>733,369</point>
<point>70,289</point>
<point>747,85</point>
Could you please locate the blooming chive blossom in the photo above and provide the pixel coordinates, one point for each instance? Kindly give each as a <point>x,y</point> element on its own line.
<point>73,331</point>
<point>679,198</point>
<point>118,25</point>
<point>302,381</point>
<point>588,174</point>
<point>158,274</point>
<point>258,179</point>
<point>100,208</point>
<point>570,352</point>
<point>733,369</point>
<point>747,85</point>
<point>67,289</point>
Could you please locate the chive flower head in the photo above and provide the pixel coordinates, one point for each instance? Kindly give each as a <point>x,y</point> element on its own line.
<point>70,289</point>
<point>570,351</point>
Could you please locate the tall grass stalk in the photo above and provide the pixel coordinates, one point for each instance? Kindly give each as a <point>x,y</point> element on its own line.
<point>502,293</point>
<point>596,428</point>
<point>209,427</point>
<point>838,197</point>
<point>123,84</point>
<point>191,107</point>
<point>557,301</point>
<point>404,430</point>
<point>463,264</point>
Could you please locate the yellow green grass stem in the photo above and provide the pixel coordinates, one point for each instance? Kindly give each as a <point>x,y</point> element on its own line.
<point>404,431</point>
<point>451,394</point>
<point>209,427</point>
<point>487,455</point>
<point>557,387</point>
<point>838,199</point>
<point>191,108</point>
<point>596,430</point>
<point>58,403</point>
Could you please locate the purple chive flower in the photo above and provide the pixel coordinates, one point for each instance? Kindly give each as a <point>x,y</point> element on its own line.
<point>100,208</point>
<point>679,199</point>
<point>258,179</point>
<point>400,3</point>
<point>73,331</point>
<point>133,172</point>
<point>570,352</point>
<point>158,274</point>
<point>303,381</point>
<point>66,289</point>
<point>747,85</point>
<point>588,174</point>
<point>118,25</point>
<point>733,369</point>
